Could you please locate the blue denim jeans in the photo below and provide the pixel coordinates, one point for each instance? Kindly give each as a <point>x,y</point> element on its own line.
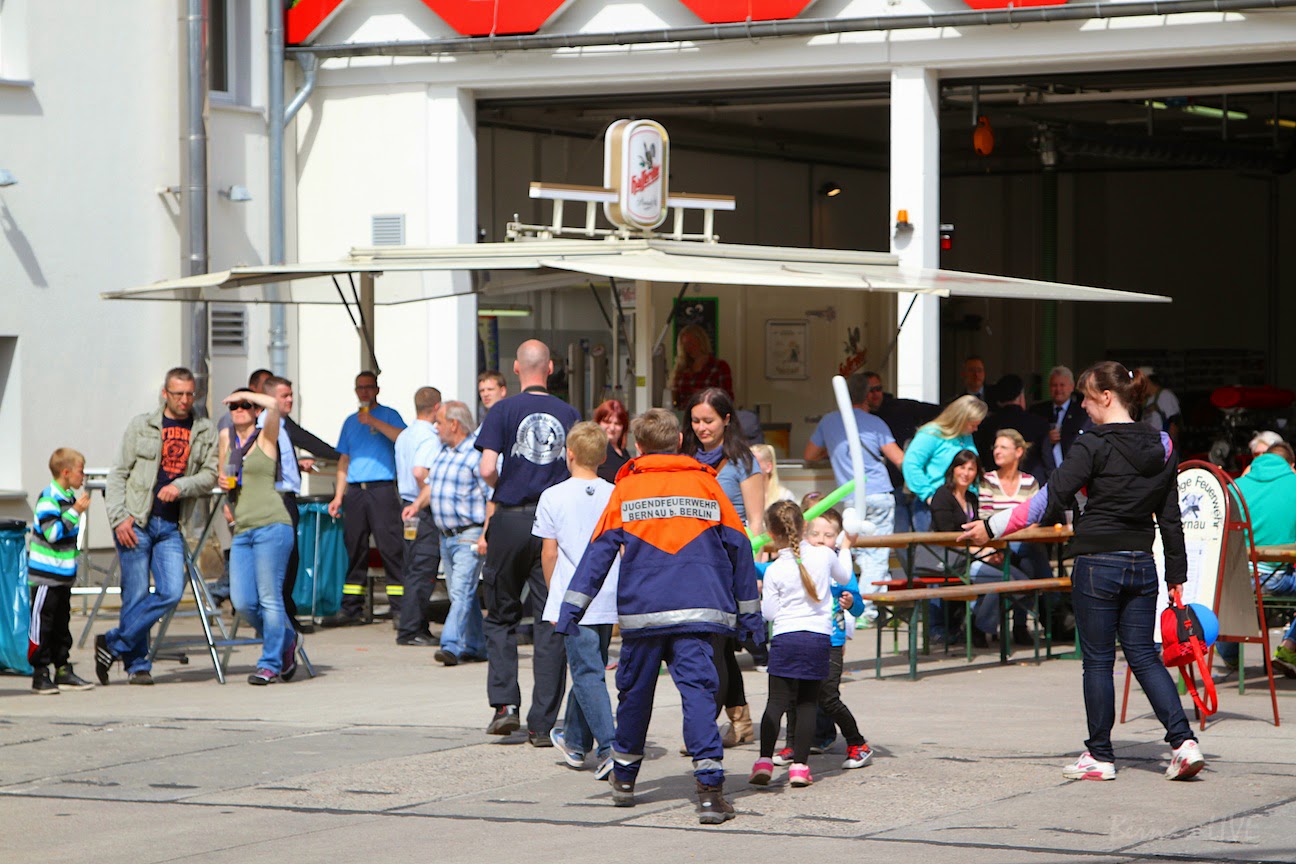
<point>159,548</point>
<point>873,564</point>
<point>1280,582</point>
<point>1115,593</point>
<point>463,635</point>
<point>589,708</point>
<point>257,561</point>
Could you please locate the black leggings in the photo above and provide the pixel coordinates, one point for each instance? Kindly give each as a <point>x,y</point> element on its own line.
<point>831,704</point>
<point>790,695</point>
<point>730,693</point>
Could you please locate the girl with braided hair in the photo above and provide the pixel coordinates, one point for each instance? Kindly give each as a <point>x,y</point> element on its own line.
<point>797,602</point>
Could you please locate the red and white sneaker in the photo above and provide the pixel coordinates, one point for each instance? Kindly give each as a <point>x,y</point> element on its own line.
<point>857,756</point>
<point>1185,761</point>
<point>799,775</point>
<point>783,757</point>
<point>761,772</point>
<point>1089,768</point>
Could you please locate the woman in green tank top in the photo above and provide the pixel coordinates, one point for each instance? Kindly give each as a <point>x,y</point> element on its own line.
<point>263,533</point>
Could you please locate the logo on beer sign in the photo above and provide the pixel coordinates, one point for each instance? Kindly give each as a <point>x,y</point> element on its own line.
<point>636,159</point>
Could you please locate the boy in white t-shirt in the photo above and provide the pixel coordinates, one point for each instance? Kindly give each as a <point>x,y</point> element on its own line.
<point>565,519</point>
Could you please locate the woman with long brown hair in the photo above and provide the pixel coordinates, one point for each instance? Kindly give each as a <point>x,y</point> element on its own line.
<point>1129,471</point>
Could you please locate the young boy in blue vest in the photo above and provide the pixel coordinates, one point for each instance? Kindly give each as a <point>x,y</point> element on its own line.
<point>687,580</point>
<point>51,570</point>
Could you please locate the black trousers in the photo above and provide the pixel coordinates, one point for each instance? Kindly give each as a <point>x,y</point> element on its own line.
<point>290,571</point>
<point>50,637</point>
<point>832,710</point>
<point>731,693</point>
<point>512,564</point>
<point>794,697</point>
<point>422,558</point>
<point>372,509</point>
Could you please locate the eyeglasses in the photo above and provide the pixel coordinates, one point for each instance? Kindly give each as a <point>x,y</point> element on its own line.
<point>876,388</point>
<point>181,394</point>
<point>241,406</point>
<point>366,386</point>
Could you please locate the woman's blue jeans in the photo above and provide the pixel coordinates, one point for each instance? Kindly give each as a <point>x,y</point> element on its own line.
<point>258,557</point>
<point>1115,594</point>
<point>589,708</point>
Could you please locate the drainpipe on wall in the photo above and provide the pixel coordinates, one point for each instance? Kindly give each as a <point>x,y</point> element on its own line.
<point>195,197</point>
<point>278,118</point>
<point>1048,247</point>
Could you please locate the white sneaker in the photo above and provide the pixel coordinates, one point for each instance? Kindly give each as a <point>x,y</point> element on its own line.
<point>1089,768</point>
<point>1185,761</point>
<point>573,758</point>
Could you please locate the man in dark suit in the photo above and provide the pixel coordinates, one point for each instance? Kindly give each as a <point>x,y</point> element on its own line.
<point>1065,418</point>
<point>1008,395</point>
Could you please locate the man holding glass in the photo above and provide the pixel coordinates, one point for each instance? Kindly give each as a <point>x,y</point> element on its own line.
<point>366,478</point>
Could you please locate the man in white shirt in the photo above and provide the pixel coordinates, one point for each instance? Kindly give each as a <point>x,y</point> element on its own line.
<point>416,447</point>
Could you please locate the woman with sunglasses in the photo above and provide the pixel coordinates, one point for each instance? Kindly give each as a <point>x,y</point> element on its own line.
<point>263,533</point>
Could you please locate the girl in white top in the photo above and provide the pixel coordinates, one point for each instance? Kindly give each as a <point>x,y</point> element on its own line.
<point>797,601</point>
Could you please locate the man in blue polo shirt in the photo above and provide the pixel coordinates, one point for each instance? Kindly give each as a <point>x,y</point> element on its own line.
<point>829,441</point>
<point>366,478</point>
<point>529,431</point>
<point>416,448</point>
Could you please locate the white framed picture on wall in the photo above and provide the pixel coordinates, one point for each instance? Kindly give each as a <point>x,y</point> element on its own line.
<point>787,343</point>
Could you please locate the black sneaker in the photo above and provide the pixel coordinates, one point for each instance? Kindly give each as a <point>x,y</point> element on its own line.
<point>416,641</point>
<point>622,791</point>
<point>446,658</point>
<point>536,739</point>
<point>143,677</point>
<point>41,683</point>
<point>505,721</point>
<point>66,679</point>
<point>712,808</point>
<point>104,659</point>
<point>289,663</point>
<point>341,619</point>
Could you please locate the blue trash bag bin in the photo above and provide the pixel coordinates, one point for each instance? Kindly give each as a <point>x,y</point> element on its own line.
<point>15,597</point>
<point>321,554</point>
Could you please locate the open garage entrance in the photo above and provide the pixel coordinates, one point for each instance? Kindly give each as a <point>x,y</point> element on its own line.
<point>1163,181</point>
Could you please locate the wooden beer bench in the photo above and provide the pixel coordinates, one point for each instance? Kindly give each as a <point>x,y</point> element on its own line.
<point>957,588</point>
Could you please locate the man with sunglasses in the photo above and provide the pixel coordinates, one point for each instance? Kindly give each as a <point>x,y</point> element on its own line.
<point>167,461</point>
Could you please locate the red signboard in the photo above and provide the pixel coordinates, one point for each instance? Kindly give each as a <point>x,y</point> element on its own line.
<point>494,17</point>
<point>306,17</point>
<point>729,11</point>
<point>1016,4</point>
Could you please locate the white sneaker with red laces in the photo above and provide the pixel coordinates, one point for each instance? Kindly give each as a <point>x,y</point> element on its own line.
<point>783,757</point>
<point>1089,768</point>
<point>1185,761</point>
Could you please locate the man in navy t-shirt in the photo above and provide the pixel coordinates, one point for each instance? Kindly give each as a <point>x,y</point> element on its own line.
<point>529,432</point>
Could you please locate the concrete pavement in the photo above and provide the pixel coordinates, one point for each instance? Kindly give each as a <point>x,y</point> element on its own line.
<point>383,758</point>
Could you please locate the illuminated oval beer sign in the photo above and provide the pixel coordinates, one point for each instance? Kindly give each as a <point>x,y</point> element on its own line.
<point>636,158</point>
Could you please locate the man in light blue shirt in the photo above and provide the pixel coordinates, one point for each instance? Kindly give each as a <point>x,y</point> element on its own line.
<point>416,447</point>
<point>366,477</point>
<point>829,442</point>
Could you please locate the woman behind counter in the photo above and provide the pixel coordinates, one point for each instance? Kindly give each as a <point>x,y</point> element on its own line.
<point>263,532</point>
<point>697,367</point>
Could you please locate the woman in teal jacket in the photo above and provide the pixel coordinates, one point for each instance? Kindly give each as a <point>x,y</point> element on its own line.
<point>933,449</point>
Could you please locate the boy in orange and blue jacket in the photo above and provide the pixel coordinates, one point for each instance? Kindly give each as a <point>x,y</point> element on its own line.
<point>686,577</point>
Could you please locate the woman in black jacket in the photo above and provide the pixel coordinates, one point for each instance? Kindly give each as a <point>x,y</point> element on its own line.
<point>1129,472</point>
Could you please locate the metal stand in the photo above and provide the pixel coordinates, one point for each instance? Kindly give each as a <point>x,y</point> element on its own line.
<point>233,640</point>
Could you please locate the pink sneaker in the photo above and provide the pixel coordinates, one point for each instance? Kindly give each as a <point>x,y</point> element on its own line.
<point>1186,761</point>
<point>761,772</point>
<point>799,775</point>
<point>1089,768</point>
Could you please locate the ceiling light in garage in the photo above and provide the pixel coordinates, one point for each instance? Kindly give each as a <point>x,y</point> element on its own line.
<point>830,190</point>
